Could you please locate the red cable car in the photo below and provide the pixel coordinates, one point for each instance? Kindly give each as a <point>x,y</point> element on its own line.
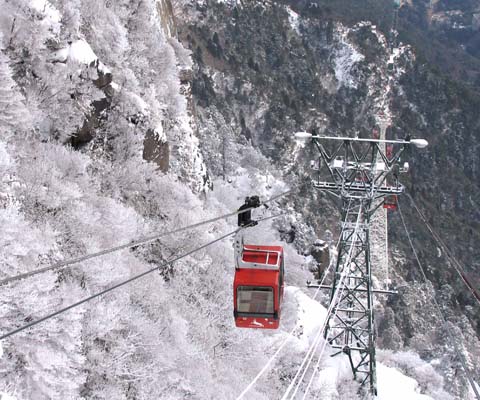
<point>259,278</point>
<point>258,287</point>
<point>390,202</point>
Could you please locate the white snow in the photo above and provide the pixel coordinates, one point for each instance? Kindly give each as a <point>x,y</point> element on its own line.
<point>103,68</point>
<point>115,86</point>
<point>186,343</point>
<point>293,19</point>
<point>5,396</point>
<point>160,134</point>
<point>142,105</point>
<point>346,58</point>
<point>51,16</point>
<point>310,313</point>
<point>5,159</point>
<point>393,385</point>
<point>78,51</point>
<point>396,53</point>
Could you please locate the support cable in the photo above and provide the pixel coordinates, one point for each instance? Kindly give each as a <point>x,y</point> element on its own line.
<point>319,358</point>
<point>145,240</point>
<point>324,342</point>
<point>264,369</point>
<point>290,335</point>
<point>314,346</point>
<point>440,312</point>
<point>311,350</point>
<point>317,339</point>
<point>123,283</point>
<point>456,265</point>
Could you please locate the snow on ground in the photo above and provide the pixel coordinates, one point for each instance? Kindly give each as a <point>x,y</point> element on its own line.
<point>234,2</point>
<point>393,385</point>
<point>346,56</point>
<point>79,51</point>
<point>335,371</point>
<point>293,19</point>
<point>51,16</point>
<point>310,314</point>
<point>5,396</point>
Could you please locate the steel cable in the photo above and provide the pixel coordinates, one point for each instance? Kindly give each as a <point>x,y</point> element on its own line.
<point>290,335</point>
<point>439,311</point>
<point>145,240</point>
<point>265,367</point>
<point>456,265</point>
<point>101,293</point>
<point>310,352</point>
<point>319,358</point>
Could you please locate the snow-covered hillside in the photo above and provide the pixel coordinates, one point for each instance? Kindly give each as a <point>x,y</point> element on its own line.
<point>83,85</point>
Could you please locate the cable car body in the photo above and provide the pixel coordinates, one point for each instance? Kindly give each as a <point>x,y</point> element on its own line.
<point>390,202</point>
<point>258,286</point>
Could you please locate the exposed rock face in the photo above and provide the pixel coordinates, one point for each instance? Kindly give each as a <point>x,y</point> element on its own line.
<point>167,19</point>
<point>320,252</point>
<point>105,77</point>
<point>155,145</point>
<point>179,149</point>
<point>92,122</point>
<point>156,149</point>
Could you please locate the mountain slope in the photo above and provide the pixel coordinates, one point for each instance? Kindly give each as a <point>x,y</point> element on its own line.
<point>111,130</point>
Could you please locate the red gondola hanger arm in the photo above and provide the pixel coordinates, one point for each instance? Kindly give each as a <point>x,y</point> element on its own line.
<point>245,217</point>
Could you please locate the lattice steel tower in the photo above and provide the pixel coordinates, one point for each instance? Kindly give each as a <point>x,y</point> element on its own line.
<point>359,172</point>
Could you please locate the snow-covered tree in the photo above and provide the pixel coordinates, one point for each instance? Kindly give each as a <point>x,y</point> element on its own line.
<point>14,117</point>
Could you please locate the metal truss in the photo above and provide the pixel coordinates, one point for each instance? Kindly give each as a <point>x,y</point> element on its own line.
<point>359,172</point>
<point>351,328</point>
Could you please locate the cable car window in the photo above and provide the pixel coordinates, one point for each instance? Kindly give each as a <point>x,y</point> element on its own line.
<point>254,299</point>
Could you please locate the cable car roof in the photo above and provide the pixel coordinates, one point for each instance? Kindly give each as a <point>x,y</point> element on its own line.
<point>260,257</point>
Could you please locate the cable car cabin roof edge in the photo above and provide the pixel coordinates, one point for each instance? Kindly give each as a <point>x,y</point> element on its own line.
<point>259,257</point>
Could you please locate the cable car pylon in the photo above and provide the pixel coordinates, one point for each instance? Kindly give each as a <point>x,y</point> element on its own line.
<point>361,173</point>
